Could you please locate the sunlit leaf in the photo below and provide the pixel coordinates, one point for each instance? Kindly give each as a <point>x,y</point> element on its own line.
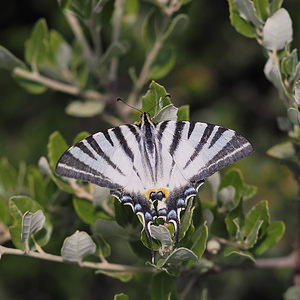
<point>241,25</point>
<point>18,206</point>
<point>162,234</point>
<point>282,151</point>
<point>293,293</point>
<point>31,223</point>
<point>121,296</point>
<point>278,30</point>
<point>77,246</point>
<point>247,11</point>
<point>85,109</point>
<point>168,113</point>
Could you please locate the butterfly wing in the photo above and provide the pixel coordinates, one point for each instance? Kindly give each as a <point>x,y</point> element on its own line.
<point>112,159</point>
<point>191,152</point>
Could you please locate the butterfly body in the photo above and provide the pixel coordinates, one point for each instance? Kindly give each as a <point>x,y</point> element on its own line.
<point>154,168</point>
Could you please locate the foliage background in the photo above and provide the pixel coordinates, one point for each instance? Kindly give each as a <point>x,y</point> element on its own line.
<point>220,74</point>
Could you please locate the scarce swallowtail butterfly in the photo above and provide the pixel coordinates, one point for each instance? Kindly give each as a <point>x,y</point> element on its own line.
<point>154,168</point>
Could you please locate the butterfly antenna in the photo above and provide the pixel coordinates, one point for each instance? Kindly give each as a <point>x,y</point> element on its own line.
<point>161,100</point>
<point>119,99</point>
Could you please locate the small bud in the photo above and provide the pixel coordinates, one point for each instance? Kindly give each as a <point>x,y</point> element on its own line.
<point>213,246</point>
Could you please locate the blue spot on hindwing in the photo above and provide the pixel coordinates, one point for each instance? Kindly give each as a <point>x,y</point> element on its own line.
<point>189,191</point>
<point>126,198</point>
<point>180,203</point>
<point>148,217</point>
<point>162,212</point>
<point>172,214</point>
<point>137,208</point>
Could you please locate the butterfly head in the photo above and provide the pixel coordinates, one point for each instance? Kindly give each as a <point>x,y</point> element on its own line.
<point>145,118</point>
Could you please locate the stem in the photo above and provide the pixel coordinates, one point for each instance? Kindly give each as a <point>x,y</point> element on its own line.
<point>279,262</point>
<point>87,264</point>
<point>59,86</point>
<point>144,75</point>
<point>119,9</point>
<point>87,51</point>
<point>95,30</point>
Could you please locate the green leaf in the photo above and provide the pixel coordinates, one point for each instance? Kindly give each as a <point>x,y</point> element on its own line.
<point>199,240</point>
<point>293,293</point>
<point>8,61</point>
<point>278,30</point>
<point>236,213</point>
<point>110,228</point>
<point>80,136</point>
<point>4,211</point>
<point>275,5</point>
<point>183,113</point>
<point>162,234</point>
<point>153,99</point>
<point>293,115</point>
<point>31,223</point>
<point>36,45</point>
<point>247,11</point>
<point>282,151</point>
<point>168,113</point>
<point>179,255</point>
<point>289,63</point>
<point>131,11</point>
<point>86,109</point>
<point>163,63</point>
<point>104,247</point>
<point>257,219</point>
<point>77,246</point>
<point>121,296</point>
<point>18,206</point>
<point>262,8</point>
<point>177,26</point>
<point>123,276</point>
<point>186,220</point>
<point>162,287</point>
<point>114,50</point>
<point>272,236</point>
<point>297,92</point>
<point>242,26</point>
<point>30,86</point>
<point>87,212</point>
<point>8,178</point>
<point>234,178</point>
<point>56,147</point>
<point>243,254</point>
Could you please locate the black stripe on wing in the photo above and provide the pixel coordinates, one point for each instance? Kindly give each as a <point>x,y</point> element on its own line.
<point>120,136</point>
<point>96,147</point>
<point>206,135</point>
<point>237,148</point>
<point>72,167</point>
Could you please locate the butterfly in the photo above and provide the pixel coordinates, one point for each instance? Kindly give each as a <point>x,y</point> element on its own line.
<point>154,168</point>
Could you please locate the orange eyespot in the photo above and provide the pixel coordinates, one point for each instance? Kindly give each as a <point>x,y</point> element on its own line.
<point>149,192</point>
<point>164,191</point>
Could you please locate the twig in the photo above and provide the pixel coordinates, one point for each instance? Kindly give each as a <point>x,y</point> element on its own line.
<point>279,262</point>
<point>144,75</point>
<point>87,51</point>
<point>119,8</point>
<point>87,264</point>
<point>59,86</point>
<point>95,29</point>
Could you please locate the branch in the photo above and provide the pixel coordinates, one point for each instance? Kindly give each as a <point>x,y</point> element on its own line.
<point>87,264</point>
<point>59,86</point>
<point>289,261</point>
<point>119,8</point>
<point>86,49</point>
